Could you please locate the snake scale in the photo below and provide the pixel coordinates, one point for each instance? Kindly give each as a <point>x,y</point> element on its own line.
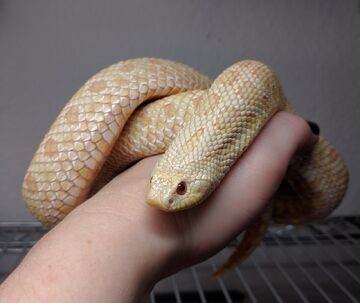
<point>202,127</point>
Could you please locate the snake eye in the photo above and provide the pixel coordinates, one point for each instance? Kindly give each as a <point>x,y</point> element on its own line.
<point>181,188</point>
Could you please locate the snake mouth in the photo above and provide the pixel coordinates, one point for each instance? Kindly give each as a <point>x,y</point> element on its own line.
<point>168,207</point>
<point>171,206</point>
<point>157,204</point>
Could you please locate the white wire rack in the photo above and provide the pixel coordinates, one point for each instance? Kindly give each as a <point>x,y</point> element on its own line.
<point>313,263</point>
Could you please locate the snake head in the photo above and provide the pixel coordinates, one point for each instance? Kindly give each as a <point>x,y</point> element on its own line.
<point>172,192</point>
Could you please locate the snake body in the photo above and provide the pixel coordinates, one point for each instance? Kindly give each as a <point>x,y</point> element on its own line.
<point>202,127</point>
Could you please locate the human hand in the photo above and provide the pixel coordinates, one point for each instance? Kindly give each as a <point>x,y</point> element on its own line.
<point>115,247</point>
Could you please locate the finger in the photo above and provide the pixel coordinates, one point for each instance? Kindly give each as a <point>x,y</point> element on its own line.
<point>249,185</point>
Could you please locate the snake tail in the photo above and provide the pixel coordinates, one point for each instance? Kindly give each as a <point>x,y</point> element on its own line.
<point>251,239</point>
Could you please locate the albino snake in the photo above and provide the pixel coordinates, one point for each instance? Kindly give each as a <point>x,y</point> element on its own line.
<point>202,127</point>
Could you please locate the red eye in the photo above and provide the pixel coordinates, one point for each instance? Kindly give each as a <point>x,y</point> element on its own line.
<point>181,188</point>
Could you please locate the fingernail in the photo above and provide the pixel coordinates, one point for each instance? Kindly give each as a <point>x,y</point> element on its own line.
<point>314,127</point>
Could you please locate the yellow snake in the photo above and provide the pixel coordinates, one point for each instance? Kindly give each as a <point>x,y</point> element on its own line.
<point>202,127</point>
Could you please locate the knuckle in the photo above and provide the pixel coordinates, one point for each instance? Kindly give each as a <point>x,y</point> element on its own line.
<point>296,126</point>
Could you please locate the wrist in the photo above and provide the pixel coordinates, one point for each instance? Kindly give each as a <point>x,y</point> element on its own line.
<point>92,256</point>
<point>125,225</point>
<point>121,250</point>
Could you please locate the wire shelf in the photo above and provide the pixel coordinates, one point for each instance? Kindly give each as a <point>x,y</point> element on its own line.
<point>311,263</point>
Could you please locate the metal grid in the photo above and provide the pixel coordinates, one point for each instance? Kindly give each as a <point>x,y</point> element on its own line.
<point>312,263</point>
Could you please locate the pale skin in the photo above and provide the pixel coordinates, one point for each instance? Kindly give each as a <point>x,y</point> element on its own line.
<point>115,247</point>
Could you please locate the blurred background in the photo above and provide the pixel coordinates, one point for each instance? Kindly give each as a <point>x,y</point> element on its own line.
<point>48,49</point>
